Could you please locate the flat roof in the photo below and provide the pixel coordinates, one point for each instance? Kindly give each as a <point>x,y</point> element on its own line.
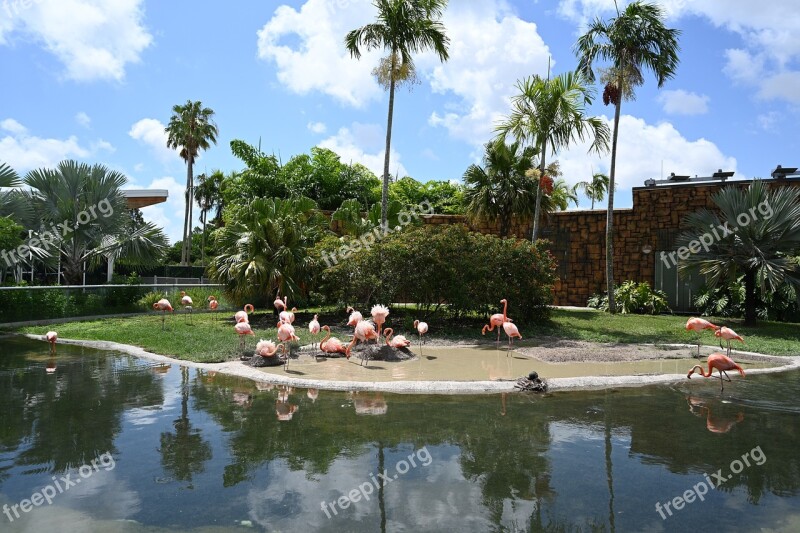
<point>139,198</point>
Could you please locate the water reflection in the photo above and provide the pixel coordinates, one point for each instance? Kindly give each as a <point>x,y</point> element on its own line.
<point>715,423</point>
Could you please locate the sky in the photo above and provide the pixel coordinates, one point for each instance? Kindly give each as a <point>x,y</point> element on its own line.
<point>95,80</point>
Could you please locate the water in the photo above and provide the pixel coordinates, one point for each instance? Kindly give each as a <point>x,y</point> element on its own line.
<point>194,451</point>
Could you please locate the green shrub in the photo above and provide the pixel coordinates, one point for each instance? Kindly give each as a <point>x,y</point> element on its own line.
<point>633,298</point>
<point>728,301</point>
<point>443,269</point>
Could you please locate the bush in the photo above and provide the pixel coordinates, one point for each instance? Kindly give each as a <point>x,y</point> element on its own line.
<point>633,298</point>
<point>728,301</point>
<point>444,269</point>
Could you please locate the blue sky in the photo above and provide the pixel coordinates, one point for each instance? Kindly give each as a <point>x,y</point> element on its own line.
<point>95,80</point>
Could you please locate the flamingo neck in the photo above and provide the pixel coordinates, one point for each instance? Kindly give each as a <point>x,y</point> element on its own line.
<point>505,310</point>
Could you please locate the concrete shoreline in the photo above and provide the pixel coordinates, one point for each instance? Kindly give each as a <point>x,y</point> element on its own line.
<point>238,369</point>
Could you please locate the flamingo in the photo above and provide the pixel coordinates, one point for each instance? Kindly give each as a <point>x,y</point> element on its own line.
<point>721,363</point>
<point>266,348</point>
<point>699,325</point>
<point>355,317</point>
<point>332,345</point>
<point>163,305</point>
<point>422,329</point>
<point>364,332</point>
<point>379,313</point>
<point>52,337</point>
<point>187,303</point>
<point>728,334</point>
<point>241,316</point>
<point>313,328</point>
<point>212,302</point>
<point>286,334</point>
<point>512,331</point>
<point>497,320</point>
<point>243,329</point>
<point>397,342</point>
<point>279,304</point>
<point>288,316</point>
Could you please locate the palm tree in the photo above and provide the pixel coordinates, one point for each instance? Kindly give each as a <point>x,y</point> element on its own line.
<point>764,249</point>
<point>503,187</point>
<point>192,129</point>
<point>595,189</point>
<point>634,41</point>
<point>263,251</point>
<point>207,194</point>
<point>550,114</point>
<point>402,28</point>
<point>12,203</point>
<point>88,200</point>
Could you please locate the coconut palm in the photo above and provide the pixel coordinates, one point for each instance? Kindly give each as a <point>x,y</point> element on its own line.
<point>402,28</point>
<point>635,41</point>
<point>764,250</point>
<point>263,250</point>
<point>208,196</point>
<point>83,219</point>
<point>502,187</point>
<point>596,189</point>
<point>550,114</point>
<point>191,129</point>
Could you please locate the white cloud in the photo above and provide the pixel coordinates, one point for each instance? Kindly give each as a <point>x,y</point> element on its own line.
<point>355,144</point>
<point>317,127</point>
<point>150,132</point>
<point>168,215</point>
<point>680,102</point>
<point>642,149</point>
<point>12,126</point>
<point>94,39</point>
<point>83,119</point>
<point>24,152</point>
<point>767,121</point>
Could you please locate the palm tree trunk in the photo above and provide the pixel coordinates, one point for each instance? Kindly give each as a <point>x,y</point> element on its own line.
<point>537,209</point>
<point>750,316</point>
<point>186,212</point>
<point>203,246</point>
<point>612,308</point>
<point>385,192</point>
<point>191,214</point>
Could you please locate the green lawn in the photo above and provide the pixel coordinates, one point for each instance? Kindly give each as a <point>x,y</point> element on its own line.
<point>209,338</point>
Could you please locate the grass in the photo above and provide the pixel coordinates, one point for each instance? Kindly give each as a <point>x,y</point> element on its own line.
<point>210,338</point>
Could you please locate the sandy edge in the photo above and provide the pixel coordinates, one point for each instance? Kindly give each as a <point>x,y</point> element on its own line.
<point>236,368</point>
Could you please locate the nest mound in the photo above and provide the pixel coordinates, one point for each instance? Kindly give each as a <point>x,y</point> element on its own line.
<point>259,362</point>
<point>371,352</point>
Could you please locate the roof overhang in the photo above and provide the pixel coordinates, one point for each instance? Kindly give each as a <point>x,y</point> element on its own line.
<point>139,198</point>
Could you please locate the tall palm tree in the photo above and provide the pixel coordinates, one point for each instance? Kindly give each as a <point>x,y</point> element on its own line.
<point>192,129</point>
<point>596,189</point>
<point>402,28</point>
<point>635,41</point>
<point>207,194</point>
<point>502,187</point>
<point>764,249</point>
<point>550,114</point>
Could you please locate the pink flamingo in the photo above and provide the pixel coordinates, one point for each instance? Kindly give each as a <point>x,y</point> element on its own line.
<point>364,332</point>
<point>243,329</point>
<point>397,342</point>
<point>721,363</point>
<point>512,331</point>
<point>497,320</point>
<point>728,334</point>
<point>241,316</point>
<point>279,304</point>
<point>314,329</point>
<point>212,302</point>
<point>288,316</point>
<point>355,317</point>
<point>422,329</point>
<point>332,345</point>
<point>286,334</point>
<point>187,303</point>
<point>699,325</point>
<point>266,348</point>
<point>52,337</point>
<point>379,313</point>
<point>163,305</point>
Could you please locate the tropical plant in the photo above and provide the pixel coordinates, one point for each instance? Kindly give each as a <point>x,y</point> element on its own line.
<point>764,249</point>
<point>502,188</point>
<point>596,189</point>
<point>88,204</point>
<point>262,250</point>
<point>351,222</point>
<point>12,203</point>
<point>550,115</point>
<point>191,129</point>
<point>633,298</point>
<point>208,196</point>
<point>634,41</point>
<point>402,28</point>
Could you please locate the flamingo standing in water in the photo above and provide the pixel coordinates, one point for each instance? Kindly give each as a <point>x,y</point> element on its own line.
<point>266,348</point>
<point>242,316</point>
<point>729,335</point>
<point>422,329</point>
<point>243,329</point>
<point>699,325</point>
<point>364,332</point>
<point>497,320</point>
<point>163,305</point>
<point>286,334</point>
<point>512,331</point>
<point>187,303</point>
<point>332,345</point>
<point>397,342</point>
<point>379,313</point>
<point>51,337</point>
<point>313,328</point>
<point>721,363</point>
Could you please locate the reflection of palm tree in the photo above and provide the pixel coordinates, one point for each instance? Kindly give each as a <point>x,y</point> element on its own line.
<point>184,452</point>
<point>609,466</point>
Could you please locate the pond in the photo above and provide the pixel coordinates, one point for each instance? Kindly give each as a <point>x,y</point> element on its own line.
<point>108,442</point>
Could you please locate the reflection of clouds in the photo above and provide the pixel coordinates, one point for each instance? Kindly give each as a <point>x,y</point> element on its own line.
<point>171,390</point>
